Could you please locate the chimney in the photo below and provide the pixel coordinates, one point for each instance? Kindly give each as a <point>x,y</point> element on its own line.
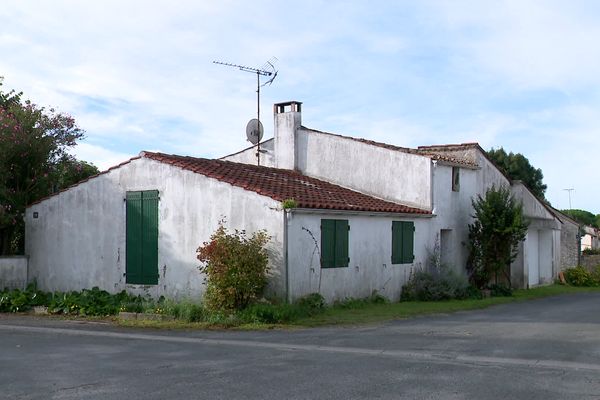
<point>288,118</point>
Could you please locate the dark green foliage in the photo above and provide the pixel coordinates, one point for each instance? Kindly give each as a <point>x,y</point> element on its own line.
<point>186,310</point>
<point>579,276</point>
<point>272,313</point>
<point>34,161</point>
<point>268,313</point>
<point>518,167</point>
<point>236,268</point>
<point>437,281</point>
<point>500,290</point>
<point>494,236</point>
<point>428,286</point>
<point>312,302</point>
<point>354,303</point>
<point>590,252</point>
<point>19,301</point>
<point>93,302</point>
<point>583,217</point>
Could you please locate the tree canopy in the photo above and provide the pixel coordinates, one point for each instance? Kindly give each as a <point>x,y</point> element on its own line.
<point>494,236</point>
<point>518,167</point>
<point>34,161</point>
<point>584,217</point>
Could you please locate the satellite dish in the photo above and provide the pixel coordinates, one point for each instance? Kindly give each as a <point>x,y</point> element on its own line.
<point>254,131</point>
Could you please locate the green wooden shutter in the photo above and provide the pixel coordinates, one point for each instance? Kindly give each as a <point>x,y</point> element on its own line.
<point>408,238</point>
<point>141,247</point>
<point>327,243</point>
<point>150,237</point>
<point>133,248</point>
<point>403,237</point>
<point>341,243</point>
<point>396,242</point>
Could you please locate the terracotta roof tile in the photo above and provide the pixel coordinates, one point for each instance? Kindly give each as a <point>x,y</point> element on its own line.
<point>281,184</point>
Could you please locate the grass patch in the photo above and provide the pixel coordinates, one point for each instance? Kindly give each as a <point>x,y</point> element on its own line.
<point>373,313</point>
<point>361,311</point>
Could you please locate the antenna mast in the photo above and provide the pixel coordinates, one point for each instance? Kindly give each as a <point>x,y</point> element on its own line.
<point>259,72</point>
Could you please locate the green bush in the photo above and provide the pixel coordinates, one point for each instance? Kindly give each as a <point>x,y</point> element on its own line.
<point>579,276</point>
<point>236,269</point>
<point>500,290</point>
<point>590,252</point>
<point>19,301</point>
<point>312,303</point>
<point>443,284</point>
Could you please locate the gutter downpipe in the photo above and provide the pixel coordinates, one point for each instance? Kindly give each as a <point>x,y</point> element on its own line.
<point>285,256</point>
<point>432,183</point>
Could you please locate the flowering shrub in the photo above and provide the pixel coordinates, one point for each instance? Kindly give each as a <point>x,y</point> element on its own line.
<point>236,268</point>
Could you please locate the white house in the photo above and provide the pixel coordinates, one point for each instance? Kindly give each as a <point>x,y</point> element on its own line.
<point>589,238</point>
<point>367,214</point>
<point>137,227</point>
<point>443,179</point>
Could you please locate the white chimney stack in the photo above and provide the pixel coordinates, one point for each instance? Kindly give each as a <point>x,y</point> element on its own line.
<point>288,118</point>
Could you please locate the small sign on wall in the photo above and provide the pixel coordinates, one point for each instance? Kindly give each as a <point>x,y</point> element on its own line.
<point>35,214</point>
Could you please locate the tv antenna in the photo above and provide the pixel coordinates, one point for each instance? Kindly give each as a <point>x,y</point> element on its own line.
<point>569,190</point>
<point>254,129</point>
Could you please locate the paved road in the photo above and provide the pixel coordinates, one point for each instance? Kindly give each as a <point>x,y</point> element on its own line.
<point>543,349</point>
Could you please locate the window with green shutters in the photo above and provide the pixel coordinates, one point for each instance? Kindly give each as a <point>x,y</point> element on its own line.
<point>403,237</point>
<point>141,265</point>
<point>334,243</point>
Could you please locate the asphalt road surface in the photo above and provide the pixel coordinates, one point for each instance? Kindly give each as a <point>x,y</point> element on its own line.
<point>543,349</point>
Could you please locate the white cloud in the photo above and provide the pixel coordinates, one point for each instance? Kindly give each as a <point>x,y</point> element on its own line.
<point>139,75</point>
<point>99,156</point>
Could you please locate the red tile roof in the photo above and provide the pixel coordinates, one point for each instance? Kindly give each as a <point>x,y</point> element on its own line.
<point>281,184</point>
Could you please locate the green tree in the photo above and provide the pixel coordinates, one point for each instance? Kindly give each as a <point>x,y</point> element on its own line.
<point>34,161</point>
<point>494,236</point>
<point>518,167</point>
<point>583,217</point>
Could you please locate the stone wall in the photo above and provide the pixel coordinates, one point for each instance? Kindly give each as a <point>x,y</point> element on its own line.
<point>569,245</point>
<point>590,261</point>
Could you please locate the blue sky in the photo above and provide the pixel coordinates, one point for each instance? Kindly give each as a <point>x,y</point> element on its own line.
<point>138,75</point>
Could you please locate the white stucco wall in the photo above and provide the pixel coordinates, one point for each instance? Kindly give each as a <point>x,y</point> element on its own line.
<point>13,272</point>
<point>532,264</point>
<point>370,268</point>
<point>453,212</point>
<point>78,239</point>
<point>389,174</point>
<point>248,156</point>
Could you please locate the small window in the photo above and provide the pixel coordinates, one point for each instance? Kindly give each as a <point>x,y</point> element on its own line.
<point>455,179</point>
<point>334,243</point>
<point>141,246</point>
<point>403,238</point>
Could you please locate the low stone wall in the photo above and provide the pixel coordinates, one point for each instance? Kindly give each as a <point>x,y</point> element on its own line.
<point>13,272</point>
<point>590,261</point>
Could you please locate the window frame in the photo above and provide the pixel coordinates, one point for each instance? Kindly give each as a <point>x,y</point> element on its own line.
<point>456,179</point>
